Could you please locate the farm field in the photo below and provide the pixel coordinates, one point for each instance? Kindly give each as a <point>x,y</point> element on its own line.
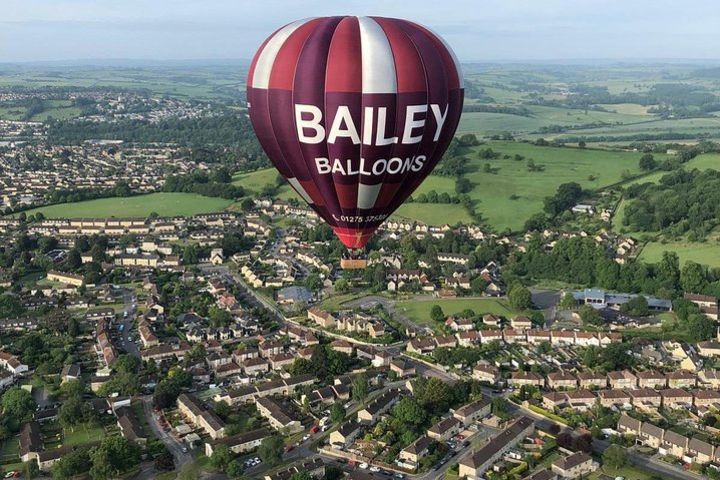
<point>164,204</point>
<point>434,213</point>
<point>493,190</point>
<point>707,253</point>
<point>709,126</point>
<point>55,109</point>
<point>210,81</point>
<point>419,310</point>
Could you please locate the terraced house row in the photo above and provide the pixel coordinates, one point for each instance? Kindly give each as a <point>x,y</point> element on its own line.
<point>620,379</point>
<point>647,399</point>
<point>470,338</point>
<point>667,442</point>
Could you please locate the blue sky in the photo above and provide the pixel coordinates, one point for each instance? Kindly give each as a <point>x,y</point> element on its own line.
<point>478,30</point>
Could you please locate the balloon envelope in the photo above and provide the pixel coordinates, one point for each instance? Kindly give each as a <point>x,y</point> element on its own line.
<point>354,112</point>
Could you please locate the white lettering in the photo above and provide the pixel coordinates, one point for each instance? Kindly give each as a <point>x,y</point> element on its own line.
<point>411,123</point>
<point>439,118</point>
<point>392,170</point>
<point>322,165</point>
<point>380,139</point>
<point>368,125</point>
<point>343,117</point>
<point>418,163</point>
<point>313,123</point>
<point>382,163</point>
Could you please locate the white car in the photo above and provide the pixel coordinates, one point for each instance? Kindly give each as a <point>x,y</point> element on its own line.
<point>363,465</point>
<point>374,469</point>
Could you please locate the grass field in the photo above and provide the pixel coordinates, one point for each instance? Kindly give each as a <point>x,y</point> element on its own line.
<point>493,190</point>
<point>210,81</point>
<point>419,310</point>
<point>707,253</point>
<point>164,204</point>
<point>434,214</point>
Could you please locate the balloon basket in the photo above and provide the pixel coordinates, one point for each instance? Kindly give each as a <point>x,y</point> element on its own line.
<point>353,263</point>
<point>354,260</point>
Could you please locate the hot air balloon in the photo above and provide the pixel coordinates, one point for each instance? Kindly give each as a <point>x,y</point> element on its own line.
<point>355,112</point>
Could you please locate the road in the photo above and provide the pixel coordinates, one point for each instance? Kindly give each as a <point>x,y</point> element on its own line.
<point>177,449</point>
<point>129,308</point>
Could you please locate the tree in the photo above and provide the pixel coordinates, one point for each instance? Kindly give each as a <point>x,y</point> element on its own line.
<point>463,185</point>
<point>313,282</point>
<point>165,461</point>
<point>568,301</point>
<point>271,450</point>
<point>647,162</point>
<point>637,306</point>
<point>74,411</point>
<point>478,285</point>
<point>342,285</point>
<point>360,387</point>
<point>409,412</point>
<point>235,469</point>
<point>692,277</point>
<point>126,363</point>
<point>433,394</point>
<point>18,407</point>
<point>113,456</point>
<point>72,464</point>
<point>437,314</point>
<point>615,457</point>
<point>337,412</point>
<point>590,316</point>
<point>499,407</point>
<point>221,457</point>
<point>700,327</point>
<point>520,297</point>
<point>30,470</point>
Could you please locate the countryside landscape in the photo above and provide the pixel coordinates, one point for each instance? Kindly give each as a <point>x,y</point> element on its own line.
<point>214,262</point>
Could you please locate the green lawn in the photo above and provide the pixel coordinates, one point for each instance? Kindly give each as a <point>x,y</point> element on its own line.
<point>630,472</point>
<point>164,204</point>
<point>9,448</point>
<point>83,435</point>
<point>419,310</point>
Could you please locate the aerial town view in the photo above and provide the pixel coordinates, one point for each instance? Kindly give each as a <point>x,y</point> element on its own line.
<point>274,240</point>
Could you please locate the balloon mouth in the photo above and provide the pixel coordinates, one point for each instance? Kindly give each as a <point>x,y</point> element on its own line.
<point>353,239</point>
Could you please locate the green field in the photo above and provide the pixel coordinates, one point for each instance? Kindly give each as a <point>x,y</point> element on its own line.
<point>434,213</point>
<point>493,190</point>
<point>419,310</point>
<point>707,253</point>
<point>164,204</point>
<point>210,81</point>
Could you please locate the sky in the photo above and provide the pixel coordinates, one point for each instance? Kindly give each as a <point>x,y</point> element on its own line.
<point>478,30</point>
